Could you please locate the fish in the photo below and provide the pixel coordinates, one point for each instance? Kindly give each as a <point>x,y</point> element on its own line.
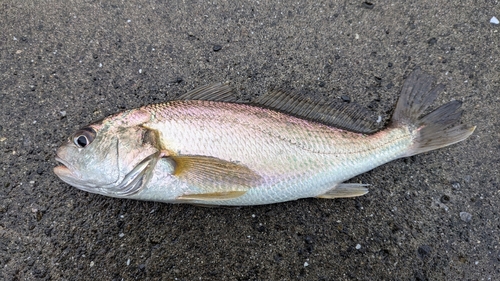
<point>206,148</point>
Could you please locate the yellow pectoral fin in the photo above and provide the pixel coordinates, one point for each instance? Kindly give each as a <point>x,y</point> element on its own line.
<point>214,175</point>
<point>212,196</point>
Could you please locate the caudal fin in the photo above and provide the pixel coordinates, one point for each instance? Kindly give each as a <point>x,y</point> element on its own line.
<point>437,129</point>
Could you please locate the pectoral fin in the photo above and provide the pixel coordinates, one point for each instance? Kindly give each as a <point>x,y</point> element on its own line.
<point>344,190</point>
<point>216,176</point>
<point>212,196</point>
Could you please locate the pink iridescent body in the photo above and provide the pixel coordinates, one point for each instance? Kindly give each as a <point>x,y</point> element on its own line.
<point>302,158</point>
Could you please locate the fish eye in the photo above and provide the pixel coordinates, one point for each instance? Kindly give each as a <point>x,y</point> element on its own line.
<point>84,137</point>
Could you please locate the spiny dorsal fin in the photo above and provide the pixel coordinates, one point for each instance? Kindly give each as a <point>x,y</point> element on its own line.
<point>351,117</point>
<point>348,116</point>
<point>211,92</point>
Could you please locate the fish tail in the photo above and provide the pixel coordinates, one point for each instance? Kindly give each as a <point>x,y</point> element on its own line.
<point>437,129</point>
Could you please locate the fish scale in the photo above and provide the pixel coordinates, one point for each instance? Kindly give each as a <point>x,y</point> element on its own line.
<point>295,164</point>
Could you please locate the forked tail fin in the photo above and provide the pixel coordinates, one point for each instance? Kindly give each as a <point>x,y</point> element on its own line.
<point>437,129</point>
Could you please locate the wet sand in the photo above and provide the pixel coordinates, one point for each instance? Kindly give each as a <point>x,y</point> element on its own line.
<point>64,64</point>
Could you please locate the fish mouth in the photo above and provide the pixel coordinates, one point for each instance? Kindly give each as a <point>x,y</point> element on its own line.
<point>63,169</point>
<point>61,161</point>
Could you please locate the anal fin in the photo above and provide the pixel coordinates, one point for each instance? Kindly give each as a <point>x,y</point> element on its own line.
<point>345,190</point>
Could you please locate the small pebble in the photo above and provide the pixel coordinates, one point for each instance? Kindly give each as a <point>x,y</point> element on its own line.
<point>445,199</point>
<point>455,185</point>
<point>308,239</point>
<point>494,20</point>
<point>424,251</point>
<point>368,5</point>
<point>306,264</point>
<point>466,217</point>
<point>121,235</point>
<point>346,98</point>
<point>63,113</point>
<point>432,41</point>
<point>217,48</point>
<point>358,246</point>
<point>441,205</point>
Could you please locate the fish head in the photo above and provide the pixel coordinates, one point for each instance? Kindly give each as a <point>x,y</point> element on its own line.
<point>114,157</point>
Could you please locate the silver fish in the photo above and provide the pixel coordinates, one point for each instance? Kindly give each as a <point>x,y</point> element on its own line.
<point>206,149</point>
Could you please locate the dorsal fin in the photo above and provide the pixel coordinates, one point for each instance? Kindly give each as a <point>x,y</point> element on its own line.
<point>211,92</point>
<point>347,116</point>
<point>351,117</point>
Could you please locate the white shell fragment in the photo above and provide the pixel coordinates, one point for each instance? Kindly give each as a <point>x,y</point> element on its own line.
<point>466,217</point>
<point>494,20</point>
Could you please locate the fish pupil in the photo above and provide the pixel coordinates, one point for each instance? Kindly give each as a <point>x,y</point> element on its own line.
<point>84,137</point>
<point>82,141</point>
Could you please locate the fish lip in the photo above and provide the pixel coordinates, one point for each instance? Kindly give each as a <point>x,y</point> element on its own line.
<point>64,169</point>
<point>70,176</point>
<point>59,159</point>
<point>63,164</point>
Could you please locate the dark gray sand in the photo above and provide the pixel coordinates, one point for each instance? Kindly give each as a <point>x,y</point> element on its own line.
<point>64,64</point>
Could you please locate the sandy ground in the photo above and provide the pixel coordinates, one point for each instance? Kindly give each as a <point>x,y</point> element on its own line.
<point>64,64</point>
